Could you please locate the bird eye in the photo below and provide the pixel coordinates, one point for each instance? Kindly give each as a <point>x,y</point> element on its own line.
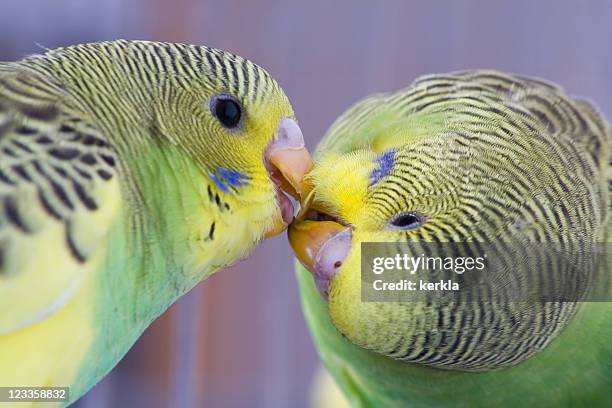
<point>227,110</point>
<point>406,221</point>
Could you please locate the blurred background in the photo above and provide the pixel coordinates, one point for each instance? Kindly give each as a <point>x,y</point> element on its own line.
<point>239,339</point>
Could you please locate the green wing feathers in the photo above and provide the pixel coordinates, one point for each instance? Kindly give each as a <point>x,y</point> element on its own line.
<point>56,196</point>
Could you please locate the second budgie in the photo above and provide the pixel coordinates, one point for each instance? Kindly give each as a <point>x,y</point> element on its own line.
<point>478,157</point>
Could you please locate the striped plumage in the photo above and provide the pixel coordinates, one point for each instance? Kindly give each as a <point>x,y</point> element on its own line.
<point>119,191</point>
<point>484,157</point>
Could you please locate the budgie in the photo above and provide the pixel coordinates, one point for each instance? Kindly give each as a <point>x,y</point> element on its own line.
<point>129,172</point>
<point>477,156</point>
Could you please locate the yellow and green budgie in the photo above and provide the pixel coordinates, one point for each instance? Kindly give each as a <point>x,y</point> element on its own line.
<point>476,157</point>
<point>129,172</point>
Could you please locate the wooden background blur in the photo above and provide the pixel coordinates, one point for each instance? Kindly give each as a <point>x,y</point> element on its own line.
<point>239,339</point>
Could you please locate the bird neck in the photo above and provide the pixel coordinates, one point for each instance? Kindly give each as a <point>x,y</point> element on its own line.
<point>176,211</point>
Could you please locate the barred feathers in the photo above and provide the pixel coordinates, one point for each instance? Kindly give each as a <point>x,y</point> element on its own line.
<point>485,157</point>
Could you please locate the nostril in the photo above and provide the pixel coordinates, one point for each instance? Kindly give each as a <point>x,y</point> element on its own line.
<point>289,135</point>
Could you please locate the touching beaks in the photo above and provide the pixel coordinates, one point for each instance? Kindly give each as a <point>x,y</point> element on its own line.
<point>287,161</point>
<point>322,247</point>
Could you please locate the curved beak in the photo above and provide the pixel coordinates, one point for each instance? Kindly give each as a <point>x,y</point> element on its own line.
<point>287,161</point>
<point>322,247</point>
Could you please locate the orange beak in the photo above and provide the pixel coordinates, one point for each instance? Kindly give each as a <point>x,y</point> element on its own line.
<point>288,162</point>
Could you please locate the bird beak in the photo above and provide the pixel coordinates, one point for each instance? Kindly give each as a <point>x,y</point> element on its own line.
<point>322,247</point>
<point>287,161</point>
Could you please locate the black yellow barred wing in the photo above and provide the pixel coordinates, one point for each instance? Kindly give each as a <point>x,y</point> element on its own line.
<point>58,193</point>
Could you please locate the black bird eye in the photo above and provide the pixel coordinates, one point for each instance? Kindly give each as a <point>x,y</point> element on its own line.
<point>406,221</point>
<point>227,110</point>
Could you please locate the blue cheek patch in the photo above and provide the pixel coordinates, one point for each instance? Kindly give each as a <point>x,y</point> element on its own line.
<point>226,178</point>
<point>384,166</point>
<point>233,177</point>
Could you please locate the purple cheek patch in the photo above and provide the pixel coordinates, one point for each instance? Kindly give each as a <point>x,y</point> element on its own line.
<point>384,165</point>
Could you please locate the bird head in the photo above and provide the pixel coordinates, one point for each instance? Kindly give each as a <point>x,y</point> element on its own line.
<point>235,122</point>
<point>208,141</point>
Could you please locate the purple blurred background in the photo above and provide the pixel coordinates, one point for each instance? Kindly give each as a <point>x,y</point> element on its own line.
<point>239,339</point>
